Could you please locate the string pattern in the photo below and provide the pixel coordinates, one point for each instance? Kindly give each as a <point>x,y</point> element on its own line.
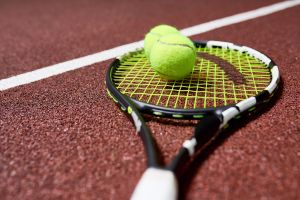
<point>207,86</point>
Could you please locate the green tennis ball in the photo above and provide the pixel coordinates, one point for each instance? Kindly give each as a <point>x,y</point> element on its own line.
<point>154,35</point>
<point>173,57</point>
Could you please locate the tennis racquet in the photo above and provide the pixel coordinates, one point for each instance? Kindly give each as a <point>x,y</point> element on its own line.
<point>228,80</point>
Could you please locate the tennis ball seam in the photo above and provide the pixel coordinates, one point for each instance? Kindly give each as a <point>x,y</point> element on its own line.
<point>173,56</point>
<point>172,44</point>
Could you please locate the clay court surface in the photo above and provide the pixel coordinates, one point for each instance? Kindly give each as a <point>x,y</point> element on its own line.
<point>62,137</point>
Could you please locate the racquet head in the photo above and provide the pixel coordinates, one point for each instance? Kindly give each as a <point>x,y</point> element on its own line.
<point>224,75</point>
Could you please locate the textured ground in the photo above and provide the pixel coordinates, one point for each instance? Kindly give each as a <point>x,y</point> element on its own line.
<point>63,138</point>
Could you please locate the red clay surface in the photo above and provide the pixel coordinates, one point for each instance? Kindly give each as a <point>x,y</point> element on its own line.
<point>63,138</point>
<point>36,34</point>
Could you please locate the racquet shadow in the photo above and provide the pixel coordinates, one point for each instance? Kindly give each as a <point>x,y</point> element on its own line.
<point>186,176</point>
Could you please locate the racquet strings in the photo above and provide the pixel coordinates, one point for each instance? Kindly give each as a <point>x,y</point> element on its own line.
<point>220,77</point>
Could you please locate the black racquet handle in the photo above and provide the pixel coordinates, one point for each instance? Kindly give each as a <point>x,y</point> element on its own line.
<point>206,129</point>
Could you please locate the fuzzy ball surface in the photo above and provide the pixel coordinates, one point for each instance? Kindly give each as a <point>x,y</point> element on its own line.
<point>173,57</point>
<point>154,35</point>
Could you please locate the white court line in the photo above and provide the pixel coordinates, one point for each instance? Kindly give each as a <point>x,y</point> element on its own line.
<point>77,63</point>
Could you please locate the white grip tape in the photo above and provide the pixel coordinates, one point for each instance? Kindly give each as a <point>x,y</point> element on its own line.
<point>156,184</point>
<point>219,43</point>
<point>275,79</point>
<point>257,54</point>
<point>190,145</point>
<point>236,47</point>
<point>136,120</point>
<point>246,104</point>
<point>228,115</point>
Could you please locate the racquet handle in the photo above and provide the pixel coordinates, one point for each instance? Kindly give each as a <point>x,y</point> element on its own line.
<point>156,184</point>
